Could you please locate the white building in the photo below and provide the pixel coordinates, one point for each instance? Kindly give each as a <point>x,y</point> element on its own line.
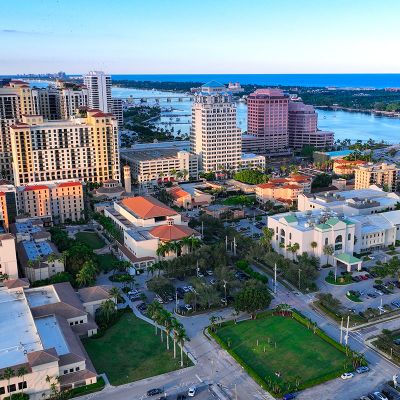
<point>215,138</point>
<point>118,111</point>
<point>351,202</point>
<point>8,256</point>
<point>145,223</point>
<point>99,87</point>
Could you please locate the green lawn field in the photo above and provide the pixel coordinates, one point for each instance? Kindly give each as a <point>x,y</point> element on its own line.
<point>91,239</point>
<point>130,351</point>
<point>285,346</point>
<point>106,261</point>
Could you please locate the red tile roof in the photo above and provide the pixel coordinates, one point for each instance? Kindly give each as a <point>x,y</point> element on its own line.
<point>37,187</point>
<point>167,233</point>
<point>67,184</point>
<point>178,193</point>
<point>147,207</point>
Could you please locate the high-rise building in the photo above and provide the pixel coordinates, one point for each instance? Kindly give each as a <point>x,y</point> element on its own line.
<point>215,138</point>
<point>303,127</point>
<point>16,99</point>
<point>267,129</point>
<point>99,88</point>
<point>118,110</point>
<point>82,148</point>
<point>383,174</point>
<point>72,98</point>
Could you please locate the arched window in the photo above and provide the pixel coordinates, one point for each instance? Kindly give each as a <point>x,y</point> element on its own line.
<point>326,241</point>
<point>290,235</point>
<point>282,232</point>
<point>349,236</point>
<point>339,239</point>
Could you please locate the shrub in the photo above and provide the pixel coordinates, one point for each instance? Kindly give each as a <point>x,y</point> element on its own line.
<point>244,266</point>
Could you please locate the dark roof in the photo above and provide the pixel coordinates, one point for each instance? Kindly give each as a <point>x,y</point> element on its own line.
<point>94,293</point>
<point>42,357</point>
<point>17,283</point>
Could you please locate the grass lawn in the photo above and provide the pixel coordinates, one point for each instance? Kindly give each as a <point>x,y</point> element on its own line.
<point>106,261</point>
<point>130,351</point>
<point>91,239</point>
<point>299,353</point>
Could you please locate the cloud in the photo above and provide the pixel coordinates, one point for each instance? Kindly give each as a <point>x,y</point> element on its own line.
<point>18,32</point>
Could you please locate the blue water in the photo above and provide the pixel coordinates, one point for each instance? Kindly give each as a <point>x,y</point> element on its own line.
<point>309,80</point>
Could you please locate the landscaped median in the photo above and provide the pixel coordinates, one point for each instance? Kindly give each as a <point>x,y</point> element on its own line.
<point>283,352</point>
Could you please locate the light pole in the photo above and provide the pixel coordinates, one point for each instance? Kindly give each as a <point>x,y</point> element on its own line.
<point>225,290</point>
<point>299,278</point>
<point>275,279</point>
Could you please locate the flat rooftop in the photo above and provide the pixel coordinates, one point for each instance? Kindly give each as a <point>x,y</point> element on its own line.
<point>140,235</point>
<point>35,250</point>
<point>51,334</point>
<point>27,227</point>
<point>18,333</point>
<point>41,296</point>
<point>150,154</point>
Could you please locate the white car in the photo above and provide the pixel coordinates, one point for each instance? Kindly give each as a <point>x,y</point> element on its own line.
<point>380,396</point>
<point>192,391</point>
<point>191,288</point>
<point>347,375</point>
<point>188,307</point>
<point>186,289</point>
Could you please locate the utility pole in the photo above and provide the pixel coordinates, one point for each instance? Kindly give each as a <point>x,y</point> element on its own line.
<point>335,271</point>
<point>347,330</point>
<point>341,331</point>
<point>176,301</point>
<point>234,245</point>
<point>225,289</point>
<point>226,243</point>
<point>275,279</point>
<point>202,229</point>
<point>299,277</point>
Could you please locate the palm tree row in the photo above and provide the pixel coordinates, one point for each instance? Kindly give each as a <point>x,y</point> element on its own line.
<point>175,246</point>
<point>163,318</point>
<point>10,373</point>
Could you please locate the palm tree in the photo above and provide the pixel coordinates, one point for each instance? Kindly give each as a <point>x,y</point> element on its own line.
<point>162,249</point>
<point>115,293</point>
<point>181,337</point>
<point>153,310</point>
<point>268,234</point>
<point>176,325</point>
<point>314,245</point>
<point>21,372</point>
<point>107,310</point>
<point>289,248</point>
<point>328,251</point>
<point>168,324</point>
<point>191,243</point>
<point>8,374</point>
<point>213,319</point>
<point>294,249</point>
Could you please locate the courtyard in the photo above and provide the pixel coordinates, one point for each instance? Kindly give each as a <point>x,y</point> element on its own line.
<point>91,239</point>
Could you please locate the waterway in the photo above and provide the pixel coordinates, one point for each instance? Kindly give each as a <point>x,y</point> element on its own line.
<point>345,125</point>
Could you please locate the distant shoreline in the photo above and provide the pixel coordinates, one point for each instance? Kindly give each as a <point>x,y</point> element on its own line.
<point>378,113</point>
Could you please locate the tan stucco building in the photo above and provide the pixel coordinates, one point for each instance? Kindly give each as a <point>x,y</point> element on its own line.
<point>383,174</point>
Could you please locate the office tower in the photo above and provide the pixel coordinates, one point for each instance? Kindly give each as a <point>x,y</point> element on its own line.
<point>99,89</point>
<point>118,111</point>
<point>267,129</point>
<point>382,174</point>
<point>72,98</point>
<point>215,138</point>
<point>84,148</point>
<point>16,99</point>
<point>303,127</point>
<point>48,102</point>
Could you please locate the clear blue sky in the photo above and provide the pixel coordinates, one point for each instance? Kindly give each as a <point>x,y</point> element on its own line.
<point>203,36</point>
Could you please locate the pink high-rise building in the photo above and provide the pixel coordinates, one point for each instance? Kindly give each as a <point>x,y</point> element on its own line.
<point>267,129</point>
<point>303,127</point>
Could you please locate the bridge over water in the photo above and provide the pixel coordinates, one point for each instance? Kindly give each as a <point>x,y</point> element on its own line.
<point>158,99</point>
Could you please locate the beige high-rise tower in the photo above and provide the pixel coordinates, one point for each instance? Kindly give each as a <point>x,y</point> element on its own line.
<point>127,179</point>
<point>215,138</point>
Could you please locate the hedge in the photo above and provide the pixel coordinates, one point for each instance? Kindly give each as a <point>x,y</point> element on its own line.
<point>244,266</point>
<point>92,388</point>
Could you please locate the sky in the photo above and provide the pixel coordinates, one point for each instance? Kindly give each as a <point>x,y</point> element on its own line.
<point>203,36</point>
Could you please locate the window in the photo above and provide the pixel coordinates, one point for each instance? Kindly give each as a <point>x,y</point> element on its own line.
<point>2,390</point>
<point>22,385</point>
<point>326,241</point>
<point>12,388</point>
<point>349,236</point>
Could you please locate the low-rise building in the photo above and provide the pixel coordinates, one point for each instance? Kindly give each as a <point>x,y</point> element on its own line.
<point>221,211</point>
<point>383,174</point>
<point>285,190</point>
<point>350,202</point>
<point>146,223</point>
<point>40,330</point>
<point>8,257</point>
<point>346,167</point>
<point>110,190</point>
<point>61,201</point>
<point>252,161</point>
<point>162,163</point>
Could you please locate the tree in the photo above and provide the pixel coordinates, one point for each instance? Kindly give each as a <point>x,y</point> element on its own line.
<point>107,311</point>
<point>87,274</point>
<point>176,326</point>
<point>153,310</point>
<point>329,251</point>
<point>314,245</point>
<point>251,176</point>
<point>115,293</point>
<point>168,324</point>
<point>8,374</point>
<point>181,337</point>
<point>21,372</point>
<point>294,249</point>
<point>253,297</point>
<point>213,320</point>
<point>266,239</point>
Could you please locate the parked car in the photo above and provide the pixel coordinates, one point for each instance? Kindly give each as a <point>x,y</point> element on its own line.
<point>188,307</point>
<point>362,369</point>
<point>180,293</point>
<point>379,292</point>
<point>210,272</point>
<point>192,391</point>
<point>396,303</point>
<point>396,342</point>
<point>191,288</point>
<point>200,275</point>
<point>347,375</point>
<point>153,392</point>
<point>289,396</point>
<point>180,397</point>
<point>213,281</point>
<point>186,289</point>
<point>380,396</point>
<point>373,295</point>
<point>142,306</point>
<point>159,299</point>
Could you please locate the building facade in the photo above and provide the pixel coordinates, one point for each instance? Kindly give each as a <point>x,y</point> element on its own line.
<point>215,138</point>
<point>267,121</point>
<point>99,90</point>
<point>303,128</point>
<point>383,174</point>
<point>84,148</point>
<point>8,256</point>
<point>346,167</point>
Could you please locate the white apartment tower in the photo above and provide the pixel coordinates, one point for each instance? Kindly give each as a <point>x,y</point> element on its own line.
<point>215,138</point>
<point>99,88</point>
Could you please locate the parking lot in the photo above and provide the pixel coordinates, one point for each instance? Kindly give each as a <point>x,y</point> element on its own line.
<point>249,227</point>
